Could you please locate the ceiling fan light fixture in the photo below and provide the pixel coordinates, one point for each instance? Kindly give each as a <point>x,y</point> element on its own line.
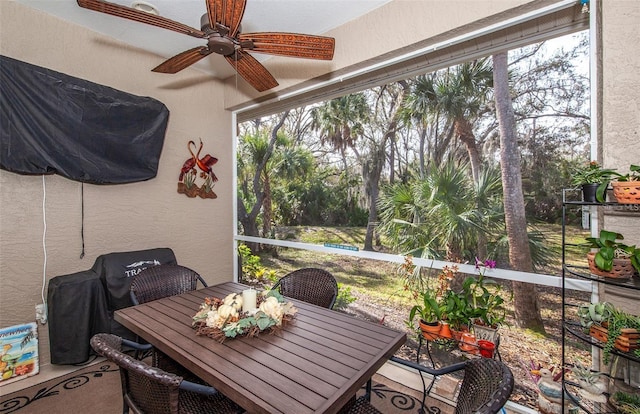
<point>145,7</point>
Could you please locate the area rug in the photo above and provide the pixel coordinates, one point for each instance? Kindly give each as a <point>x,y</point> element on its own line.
<point>391,397</point>
<point>96,389</point>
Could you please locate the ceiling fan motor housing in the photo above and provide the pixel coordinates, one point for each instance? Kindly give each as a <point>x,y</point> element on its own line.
<point>217,42</point>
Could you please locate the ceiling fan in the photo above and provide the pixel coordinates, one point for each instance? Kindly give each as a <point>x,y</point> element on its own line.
<point>221,29</point>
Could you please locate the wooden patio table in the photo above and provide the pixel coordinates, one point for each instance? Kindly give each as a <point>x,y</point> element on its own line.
<point>315,364</point>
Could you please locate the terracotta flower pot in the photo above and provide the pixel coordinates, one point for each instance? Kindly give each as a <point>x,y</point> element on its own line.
<point>430,330</point>
<point>445,331</point>
<point>457,333</point>
<point>468,343</point>
<point>626,192</point>
<point>622,268</point>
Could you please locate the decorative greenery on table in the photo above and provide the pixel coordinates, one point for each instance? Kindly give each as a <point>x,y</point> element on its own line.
<point>223,318</point>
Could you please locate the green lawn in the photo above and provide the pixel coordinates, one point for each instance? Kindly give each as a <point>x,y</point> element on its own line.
<point>374,278</point>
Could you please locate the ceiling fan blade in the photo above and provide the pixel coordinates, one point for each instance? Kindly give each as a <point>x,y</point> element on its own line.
<point>182,60</point>
<point>252,71</point>
<point>139,16</point>
<point>290,44</point>
<point>226,12</point>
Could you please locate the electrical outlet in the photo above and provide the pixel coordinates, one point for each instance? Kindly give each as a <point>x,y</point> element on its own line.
<point>41,313</point>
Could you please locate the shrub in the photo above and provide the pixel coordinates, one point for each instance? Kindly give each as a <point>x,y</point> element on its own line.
<point>344,297</point>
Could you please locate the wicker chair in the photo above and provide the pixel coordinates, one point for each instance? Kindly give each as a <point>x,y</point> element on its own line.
<point>151,390</point>
<point>315,286</point>
<point>486,386</point>
<point>485,389</point>
<point>161,281</point>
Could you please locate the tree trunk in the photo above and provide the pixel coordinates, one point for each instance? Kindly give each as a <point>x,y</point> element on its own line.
<point>464,131</point>
<point>248,220</point>
<point>376,165</point>
<point>266,207</point>
<point>248,225</point>
<point>372,175</point>
<point>525,295</point>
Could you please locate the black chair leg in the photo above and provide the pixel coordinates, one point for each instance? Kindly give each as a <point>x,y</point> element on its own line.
<point>367,392</point>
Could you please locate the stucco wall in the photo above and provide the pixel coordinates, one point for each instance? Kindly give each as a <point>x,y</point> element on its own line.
<point>621,118</point>
<point>621,102</point>
<point>117,217</point>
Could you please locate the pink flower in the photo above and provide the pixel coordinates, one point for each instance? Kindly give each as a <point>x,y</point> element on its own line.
<point>490,264</point>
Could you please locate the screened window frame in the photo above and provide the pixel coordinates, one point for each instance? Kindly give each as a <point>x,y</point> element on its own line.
<point>482,38</point>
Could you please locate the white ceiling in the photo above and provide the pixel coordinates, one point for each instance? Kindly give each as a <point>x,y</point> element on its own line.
<point>297,16</point>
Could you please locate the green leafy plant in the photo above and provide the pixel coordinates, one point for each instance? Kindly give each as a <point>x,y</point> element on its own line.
<point>344,297</point>
<point>585,374</point>
<point>632,175</point>
<point>484,297</point>
<point>252,269</point>
<point>457,310</point>
<point>626,403</point>
<point>591,173</point>
<point>429,298</point>
<point>610,247</point>
<point>594,313</point>
<point>616,322</point>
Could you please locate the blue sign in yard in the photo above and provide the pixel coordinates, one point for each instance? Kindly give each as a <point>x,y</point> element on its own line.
<point>341,246</point>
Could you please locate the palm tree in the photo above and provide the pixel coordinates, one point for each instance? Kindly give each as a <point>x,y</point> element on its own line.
<point>420,108</point>
<point>438,216</point>
<point>459,94</point>
<point>341,121</point>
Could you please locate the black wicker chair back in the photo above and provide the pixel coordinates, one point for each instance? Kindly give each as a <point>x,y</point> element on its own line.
<point>315,286</point>
<point>161,281</point>
<point>486,387</point>
<point>150,390</point>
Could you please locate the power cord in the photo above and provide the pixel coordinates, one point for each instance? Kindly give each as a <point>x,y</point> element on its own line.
<point>41,309</point>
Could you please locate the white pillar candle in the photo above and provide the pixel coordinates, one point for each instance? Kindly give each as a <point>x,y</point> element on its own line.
<point>249,300</point>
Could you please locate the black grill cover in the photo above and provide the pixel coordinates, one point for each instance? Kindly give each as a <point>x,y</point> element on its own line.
<point>117,269</point>
<point>77,310</point>
<point>54,123</point>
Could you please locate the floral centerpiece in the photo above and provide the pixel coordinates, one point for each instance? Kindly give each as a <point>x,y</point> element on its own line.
<point>224,318</point>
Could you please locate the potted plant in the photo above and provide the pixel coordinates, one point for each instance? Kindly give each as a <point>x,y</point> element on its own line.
<point>457,312</point>
<point>625,403</point>
<point>429,294</point>
<point>626,188</point>
<point>593,313</point>
<point>483,295</point>
<point>592,388</point>
<point>590,178</point>
<point>429,312</point>
<point>613,258</point>
<point>622,332</point>
<point>614,327</point>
